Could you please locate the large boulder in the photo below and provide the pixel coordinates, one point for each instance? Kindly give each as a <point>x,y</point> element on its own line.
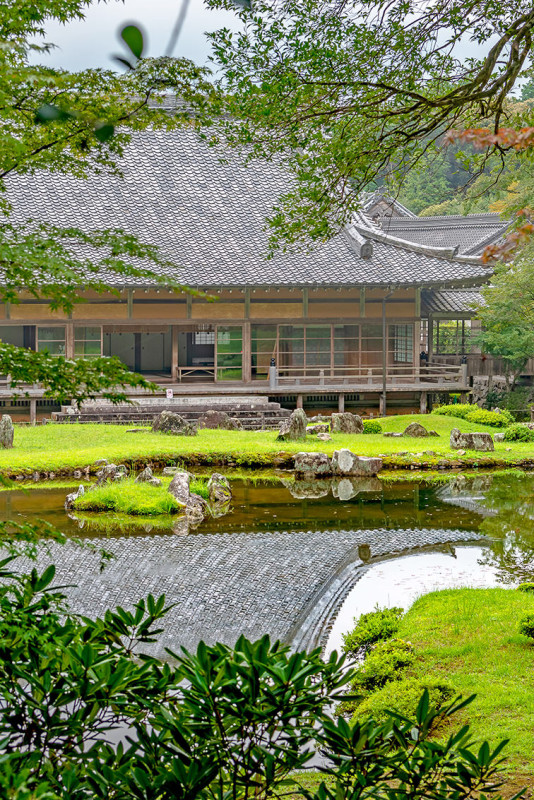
<point>345,422</point>
<point>416,430</point>
<point>312,465</point>
<point>344,462</point>
<point>174,424</point>
<point>179,487</point>
<point>294,427</point>
<point>219,419</point>
<point>219,489</point>
<point>471,441</point>
<point>196,509</point>
<point>7,431</point>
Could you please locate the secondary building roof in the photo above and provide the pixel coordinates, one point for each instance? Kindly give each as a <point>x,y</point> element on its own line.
<point>469,234</point>
<point>207,212</point>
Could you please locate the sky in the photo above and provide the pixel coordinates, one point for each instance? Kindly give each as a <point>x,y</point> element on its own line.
<point>92,41</point>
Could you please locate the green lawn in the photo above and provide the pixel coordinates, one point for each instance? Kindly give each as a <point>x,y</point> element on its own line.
<point>56,447</point>
<point>469,638</point>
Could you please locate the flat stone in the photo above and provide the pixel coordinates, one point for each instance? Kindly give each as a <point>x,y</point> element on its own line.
<point>294,427</point>
<point>171,423</point>
<point>213,419</point>
<point>170,470</point>
<point>498,437</point>
<point>345,422</point>
<point>322,427</point>
<point>312,464</point>
<point>344,462</point>
<point>324,437</point>
<point>471,441</point>
<point>311,489</point>
<point>392,435</point>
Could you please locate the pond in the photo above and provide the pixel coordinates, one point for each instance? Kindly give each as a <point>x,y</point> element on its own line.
<point>296,560</point>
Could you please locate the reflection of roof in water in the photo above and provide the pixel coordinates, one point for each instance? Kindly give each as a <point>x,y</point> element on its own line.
<point>228,584</point>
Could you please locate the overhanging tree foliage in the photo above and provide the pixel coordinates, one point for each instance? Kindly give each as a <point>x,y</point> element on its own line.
<point>343,90</point>
<point>76,124</point>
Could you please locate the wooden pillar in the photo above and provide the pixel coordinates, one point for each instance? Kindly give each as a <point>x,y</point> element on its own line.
<point>247,354</point>
<point>33,411</point>
<point>341,403</point>
<point>381,406</point>
<point>174,352</point>
<point>300,401</point>
<point>69,340</point>
<point>423,403</point>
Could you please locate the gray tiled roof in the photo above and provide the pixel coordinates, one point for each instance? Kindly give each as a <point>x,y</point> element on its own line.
<point>471,234</point>
<point>208,216</point>
<point>461,300</point>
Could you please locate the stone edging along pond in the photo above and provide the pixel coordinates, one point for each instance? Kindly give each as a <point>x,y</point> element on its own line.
<point>280,461</point>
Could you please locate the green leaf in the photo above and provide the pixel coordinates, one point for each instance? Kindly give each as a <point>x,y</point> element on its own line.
<point>104,132</point>
<point>133,39</point>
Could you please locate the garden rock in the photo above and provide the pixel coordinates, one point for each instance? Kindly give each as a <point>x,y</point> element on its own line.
<point>433,433</point>
<point>344,462</point>
<point>7,431</point>
<point>170,470</point>
<point>179,487</point>
<point>146,476</point>
<point>174,424</point>
<point>322,427</point>
<point>416,430</point>
<point>101,462</point>
<point>213,419</point>
<point>310,465</point>
<point>347,488</point>
<point>345,422</point>
<point>498,437</point>
<point>294,427</point>
<point>196,509</point>
<point>392,435</point>
<point>324,437</point>
<point>471,441</point>
<point>73,496</point>
<point>219,489</point>
<point>111,472</point>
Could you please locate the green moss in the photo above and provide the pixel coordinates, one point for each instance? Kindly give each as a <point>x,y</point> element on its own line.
<point>402,697</point>
<point>128,497</point>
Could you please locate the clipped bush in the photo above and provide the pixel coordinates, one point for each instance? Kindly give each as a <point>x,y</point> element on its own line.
<point>526,587</point>
<point>372,426</point>
<point>495,419</point>
<point>460,410</point>
<point>526,625</point>
<point>128,497</point>
<point>518,433</point>
<point>402,697</point>
<point>372,627</point>
<point>384,662</point>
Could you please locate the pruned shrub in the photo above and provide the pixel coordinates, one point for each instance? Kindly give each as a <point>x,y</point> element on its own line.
<point>372,426</point>
<point>495,419</point>
<point>526,625</point>
<point>372,627</point>
<point>403,698</point>
<point>460,410</point>
<point>384,662</point>
<point>518,433</point>
<point>526,587</point>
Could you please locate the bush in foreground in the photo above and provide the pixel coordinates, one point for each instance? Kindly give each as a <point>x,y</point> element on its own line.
<point>383,663</point>
<point>526,625</point>
<point>527,587</point>
<point>220,723</point>
<point>372,426</point>
<point>372,627</point>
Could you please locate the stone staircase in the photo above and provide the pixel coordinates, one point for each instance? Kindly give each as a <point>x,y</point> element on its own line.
<point>255,413</point>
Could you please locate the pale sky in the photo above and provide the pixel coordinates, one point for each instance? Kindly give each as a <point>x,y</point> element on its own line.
<point>91,42</point>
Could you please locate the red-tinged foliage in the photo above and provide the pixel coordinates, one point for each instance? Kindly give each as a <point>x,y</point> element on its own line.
<point>481,138</point>
<point>505,250</point>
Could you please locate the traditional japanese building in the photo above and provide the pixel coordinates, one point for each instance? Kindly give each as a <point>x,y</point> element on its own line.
<point>345,322</point>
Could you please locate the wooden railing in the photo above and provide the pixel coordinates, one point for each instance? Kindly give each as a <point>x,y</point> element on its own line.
<point>430,373</point>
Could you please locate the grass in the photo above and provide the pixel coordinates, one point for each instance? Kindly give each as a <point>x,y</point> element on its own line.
<point>469,638</point>
<point>128,497</point>
<point>67,447</point>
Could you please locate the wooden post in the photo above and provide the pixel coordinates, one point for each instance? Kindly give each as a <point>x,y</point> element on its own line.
<point>246,354</point>
<point>69,341</point>
<point>174,352</point>
<point>33,411</point>
<point>381,406</point>
<point>423,402</point>
<point>341,403</point>
<point>300,402</point>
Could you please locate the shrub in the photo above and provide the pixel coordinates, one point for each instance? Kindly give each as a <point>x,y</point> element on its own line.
<point>518,433</point>
<point>460,410</point>
<point>199,486</point>
<point>526,587</point>
<point>371,628</point>
<point>372,426</point>
<point>494,419</point>
<point>385,662</point>
<point>526,625</point>
<point>403,698</point>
